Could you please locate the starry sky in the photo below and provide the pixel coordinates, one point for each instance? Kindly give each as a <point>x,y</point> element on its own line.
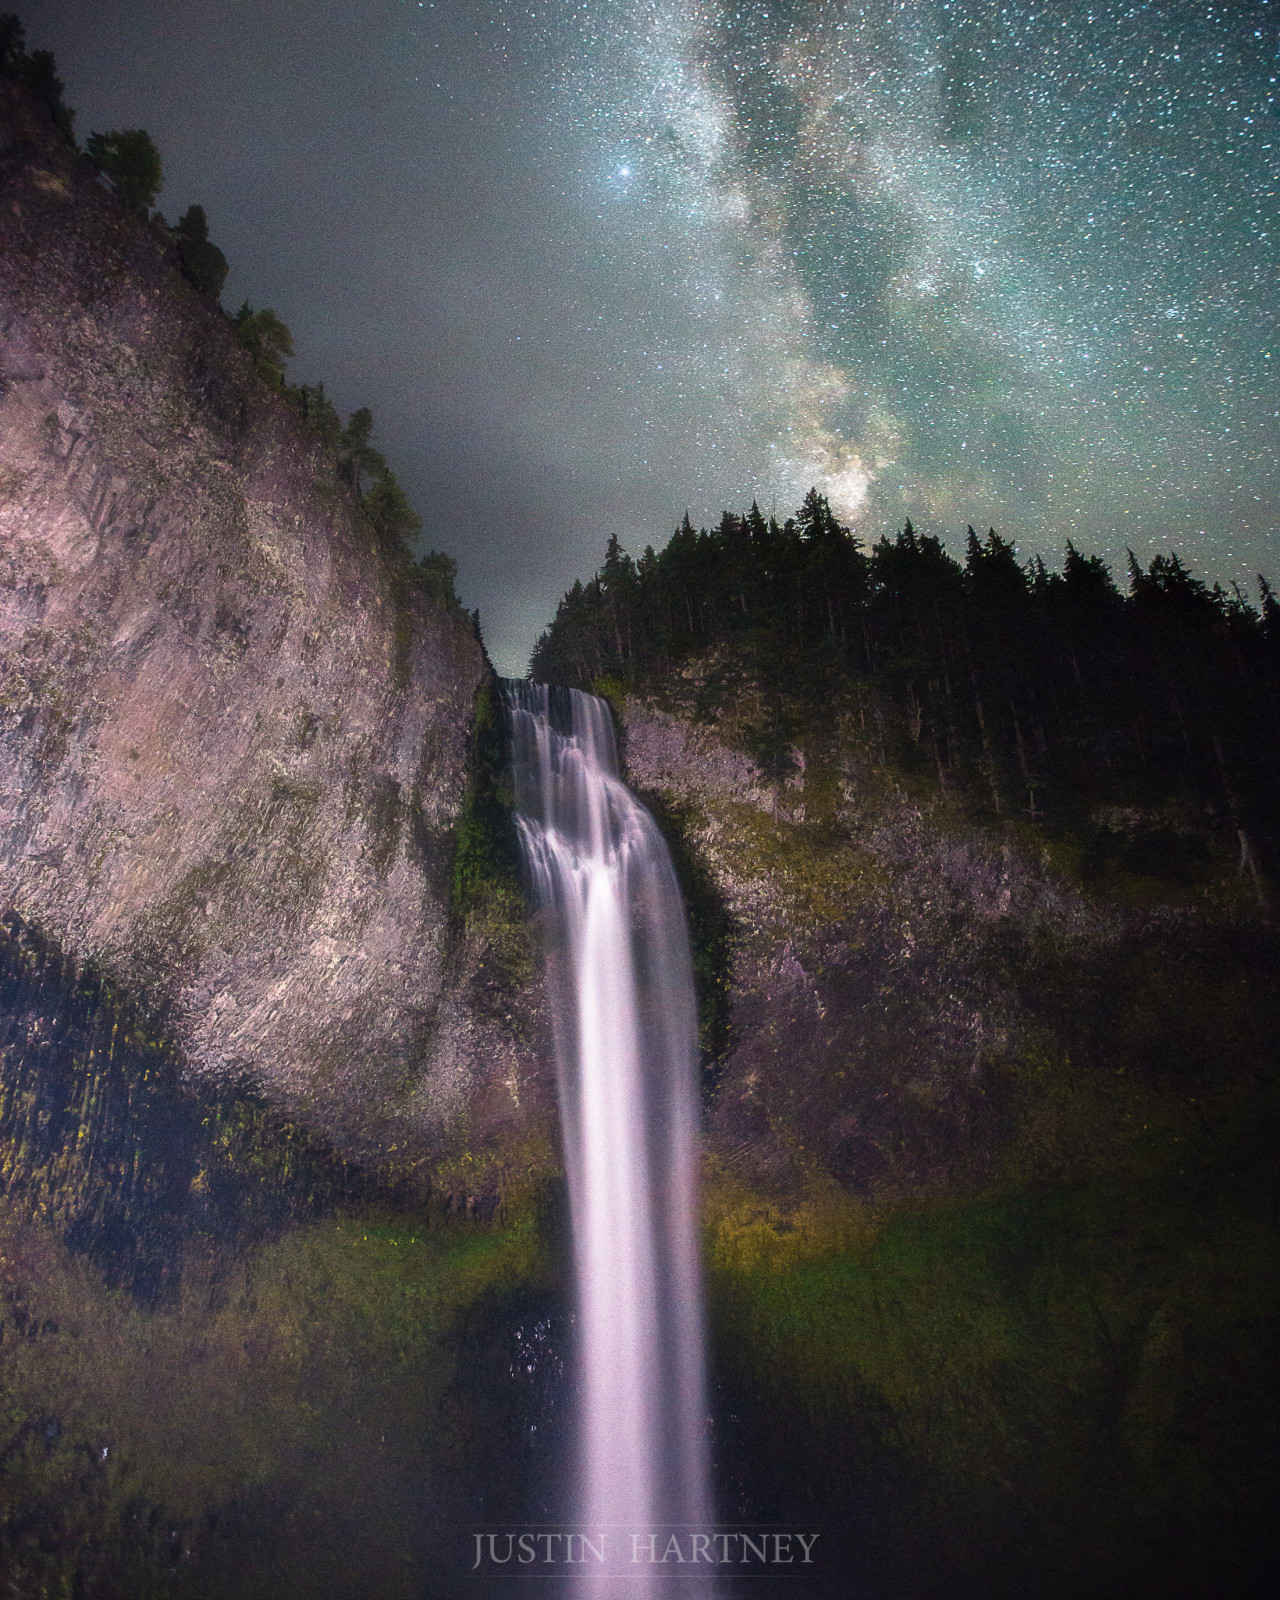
<point>594,262</point>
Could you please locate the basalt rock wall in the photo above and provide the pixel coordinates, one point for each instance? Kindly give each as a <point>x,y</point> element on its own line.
<point>233,732</point>
<point>915,1003</point>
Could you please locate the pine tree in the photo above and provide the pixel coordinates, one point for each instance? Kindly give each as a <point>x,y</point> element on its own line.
<point>37,72</point>
<point>203,265</point>
<point>436,573</point>
<point>357,458</point>
<point>1270,611</point>
<point>388,509</point>
<point>814,516</point>
<point>266,338</point>
<point>13,42</point>
<point>320,414</point>
<point>1087,579</point>
<point>129,158</point>
<point>618,585</point>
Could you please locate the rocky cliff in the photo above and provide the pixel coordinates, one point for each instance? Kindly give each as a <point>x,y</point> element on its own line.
<point>991,1142</point>
<point>917,1003</point>
<point>233,731</point>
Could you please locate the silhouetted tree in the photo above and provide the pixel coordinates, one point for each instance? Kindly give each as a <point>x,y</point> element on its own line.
<point>203,265</point>
<point>1087,579</point>
<point>1020,689</point>
<point>389,511</point>
<point>436,573</point>
<point>320,414</point>
<point>992,571</point>
<point>266,338</point>
<point>620,592</point>
<point>130,159</point>
<point>37,71</point>
<point>365,469</point>
<point>13,42</point>
<point>357,457</point>
<point>1270,611</point>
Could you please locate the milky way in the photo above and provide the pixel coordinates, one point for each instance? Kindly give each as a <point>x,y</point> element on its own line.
<point>965,262</point>
<point>595,263</point>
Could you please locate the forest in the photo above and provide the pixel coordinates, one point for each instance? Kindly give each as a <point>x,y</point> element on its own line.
<point>1020,690</point>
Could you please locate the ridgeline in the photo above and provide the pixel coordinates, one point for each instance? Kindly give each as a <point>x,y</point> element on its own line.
<point>1024,692</point>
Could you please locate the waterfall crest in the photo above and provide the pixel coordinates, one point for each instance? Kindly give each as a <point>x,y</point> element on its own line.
<point>626,1045</point>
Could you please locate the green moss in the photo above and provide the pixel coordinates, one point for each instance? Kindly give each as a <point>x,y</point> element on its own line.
<point>1057,1388</point>
<point>271,1427</point>
<point>521,1172</point>
<point>486,862</point>
<point>489,913</point>
<point>229,1361</point>
<point>613,689</point>
<point>817,870</point>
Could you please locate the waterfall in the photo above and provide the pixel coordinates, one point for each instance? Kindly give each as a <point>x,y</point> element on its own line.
<point>621,987</point>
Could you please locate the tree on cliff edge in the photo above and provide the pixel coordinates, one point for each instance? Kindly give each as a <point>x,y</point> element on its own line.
<point>203,265</point>
<point>266,338</point>
<point>38,71</point>
<point>13,41</point>
<point>128,157</point>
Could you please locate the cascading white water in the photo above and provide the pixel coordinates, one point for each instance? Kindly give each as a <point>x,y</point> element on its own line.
<point>622,994</point>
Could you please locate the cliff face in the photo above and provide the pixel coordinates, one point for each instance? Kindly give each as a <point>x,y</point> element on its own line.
<point>859,1027</point>
<point>991,1158</point>
<point>232,734</point>
<point>919,1004</point>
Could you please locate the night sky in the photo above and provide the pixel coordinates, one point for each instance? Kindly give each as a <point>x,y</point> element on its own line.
<point>591,264</point>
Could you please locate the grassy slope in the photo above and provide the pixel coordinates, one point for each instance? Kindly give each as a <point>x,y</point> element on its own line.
<point>291,1424</point>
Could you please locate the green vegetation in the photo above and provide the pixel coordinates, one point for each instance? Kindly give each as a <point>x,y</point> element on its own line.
<point>266,339</point>
<point>1007,1326</point>
<point>486,896</point>
<point>1042,1390</point>
<point>231,1364</point>
<point>391,514</point>
<point>304,1417</point>
<point>487,859</point>
<point>435,572</point>
<point>203,265</point>
<point>130,159</point>
<point>1016,692</point>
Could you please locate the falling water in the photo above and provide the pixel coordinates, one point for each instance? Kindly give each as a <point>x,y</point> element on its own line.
<point>622,993</point>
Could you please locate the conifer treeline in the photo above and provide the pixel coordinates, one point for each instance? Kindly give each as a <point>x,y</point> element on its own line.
<point>1034,692</point>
